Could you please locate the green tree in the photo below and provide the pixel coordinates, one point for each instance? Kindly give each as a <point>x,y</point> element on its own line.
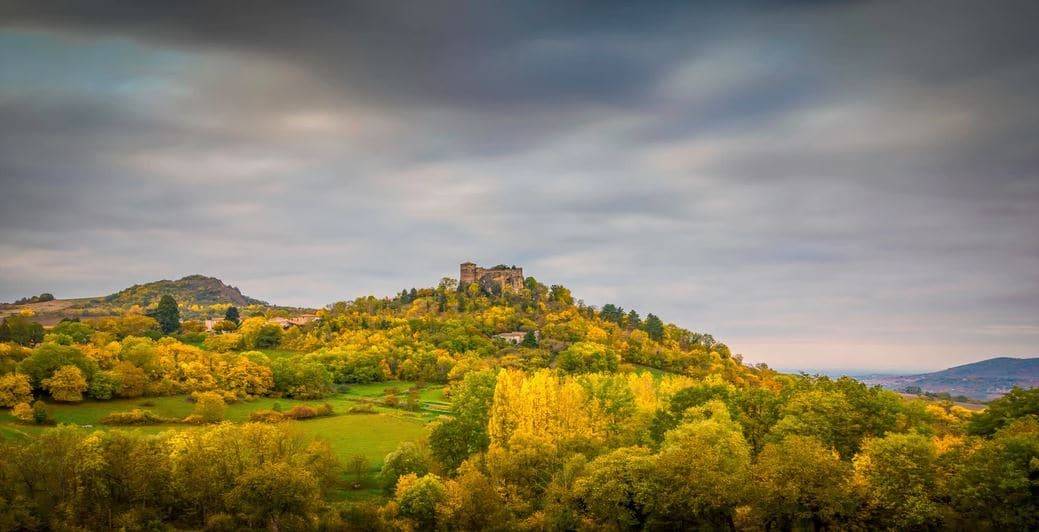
<point>633,321</point>
<point>703,471</point>
<point>78,331</point>
<point>232,314</point>
<point>47,358</point>
<point>619,487</point>
<point>530,340</point>
<point>21,330</point>
<point>167,314</point>
<point>453,439</point>
<point>611,313</point>
<point>278,495</point>
<point>899,472</point>
<point>1014,405</point>
<point>654,327</point>
<point>823,415</point>
<point>407,458</point>
<point>560,294</point>
<point>798,482</point>
<point>418,498</point>
<point>996,481</point>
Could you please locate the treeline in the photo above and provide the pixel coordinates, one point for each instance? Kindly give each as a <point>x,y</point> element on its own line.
<point>228,477</point>
<point>548,451</point>
<point>42,298</point>
<point>545,451</point>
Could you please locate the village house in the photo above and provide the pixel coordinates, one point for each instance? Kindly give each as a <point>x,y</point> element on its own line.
<point>297,321</point>
<point>515,337</point>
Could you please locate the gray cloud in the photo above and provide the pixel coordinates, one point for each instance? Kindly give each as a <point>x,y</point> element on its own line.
<point>827,185</point>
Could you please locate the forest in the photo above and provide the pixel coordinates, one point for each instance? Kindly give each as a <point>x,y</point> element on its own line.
<point>599,419</point>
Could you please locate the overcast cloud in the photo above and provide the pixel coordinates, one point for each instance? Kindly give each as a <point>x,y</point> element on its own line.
<point>821,185</point>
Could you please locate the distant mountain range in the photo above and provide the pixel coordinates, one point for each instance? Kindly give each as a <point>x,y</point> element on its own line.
<point>190,291</point>
<point>983,380</point>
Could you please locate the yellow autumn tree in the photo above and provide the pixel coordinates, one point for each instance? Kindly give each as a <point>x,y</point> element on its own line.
<point>14,389</point>
<point>541,404</point>
<point>67,384</point>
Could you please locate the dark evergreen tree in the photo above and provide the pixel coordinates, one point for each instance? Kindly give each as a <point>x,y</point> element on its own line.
<point>167,314</point>
<point>654,327</point>
<point>529,340</point>
<point>232,314</point>
<point>612,313</point>
<point>633,321</point>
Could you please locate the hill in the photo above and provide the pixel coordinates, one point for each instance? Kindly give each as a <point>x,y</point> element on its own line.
<point>194,293</point>
<point>190,290</point>
<point>984,380</point>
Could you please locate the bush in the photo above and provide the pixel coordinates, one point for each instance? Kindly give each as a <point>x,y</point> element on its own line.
<point>296,412</point>
<point>363,408</point>
<point>391,401</point>
<point>22,412</point>
<point>209,407</point>
<point>301,412</point>
<point>40,414</point>
<point>266,416</point>
<point>306,411</point>
<point>134,417</point>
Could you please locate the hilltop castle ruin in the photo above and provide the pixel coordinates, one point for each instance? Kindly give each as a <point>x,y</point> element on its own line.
<point>501,276</point>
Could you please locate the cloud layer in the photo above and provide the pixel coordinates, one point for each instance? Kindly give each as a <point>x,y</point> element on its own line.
<point>820,185</point>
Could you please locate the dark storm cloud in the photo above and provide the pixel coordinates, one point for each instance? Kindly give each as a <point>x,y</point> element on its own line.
<point>820,184</point>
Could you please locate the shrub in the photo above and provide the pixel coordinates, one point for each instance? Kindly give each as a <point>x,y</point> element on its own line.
<point>301,412</point>
<point>210,407</point>
<point>23,412</point>
<point>363,408</point>
<point>266,416</point>
<point>391,401</point>
<point>40,414</point>
<point>296,412</point>
<point>134,417</point>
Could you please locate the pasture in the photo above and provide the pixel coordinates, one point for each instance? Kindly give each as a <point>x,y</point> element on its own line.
<point>372,435</point>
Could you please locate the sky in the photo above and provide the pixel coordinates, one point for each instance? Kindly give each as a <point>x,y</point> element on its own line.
<point>849,186</point>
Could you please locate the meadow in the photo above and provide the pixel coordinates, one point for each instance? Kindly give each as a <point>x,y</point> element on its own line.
<point>372,435</point>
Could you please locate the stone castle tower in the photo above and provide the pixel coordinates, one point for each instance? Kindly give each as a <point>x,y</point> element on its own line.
<point>502,277</point>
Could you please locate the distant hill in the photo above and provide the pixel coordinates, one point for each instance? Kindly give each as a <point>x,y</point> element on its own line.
<point>193,289</point>
<point>983,380</point>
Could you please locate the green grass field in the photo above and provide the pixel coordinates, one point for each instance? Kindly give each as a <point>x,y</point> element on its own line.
<point>372,435</point>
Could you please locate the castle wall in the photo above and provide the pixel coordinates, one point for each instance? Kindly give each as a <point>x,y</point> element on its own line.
<point>511,278</point>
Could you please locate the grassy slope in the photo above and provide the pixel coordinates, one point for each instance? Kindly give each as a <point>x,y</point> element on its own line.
<point>373,435</point>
